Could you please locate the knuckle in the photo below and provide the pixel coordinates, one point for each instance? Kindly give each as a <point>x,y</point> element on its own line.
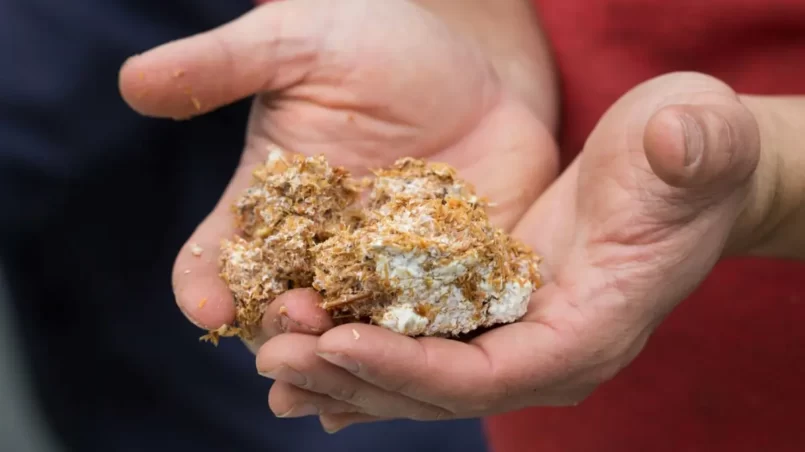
<point>348,393</point>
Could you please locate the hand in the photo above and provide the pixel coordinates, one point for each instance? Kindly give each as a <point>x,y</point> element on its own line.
<point>363,82</point>
<point>628,231</point>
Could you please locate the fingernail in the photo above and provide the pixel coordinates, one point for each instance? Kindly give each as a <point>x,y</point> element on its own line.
<point>300,411</point>
<point>341,360</point>
<point>694,139</point>
<point>286,374</point>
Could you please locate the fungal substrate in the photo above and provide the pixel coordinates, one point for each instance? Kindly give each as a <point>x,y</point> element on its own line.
<point>410,249</point>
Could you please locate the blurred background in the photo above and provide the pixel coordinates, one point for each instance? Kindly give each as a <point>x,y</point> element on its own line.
<point>95,202</point>
<point>21,426</point>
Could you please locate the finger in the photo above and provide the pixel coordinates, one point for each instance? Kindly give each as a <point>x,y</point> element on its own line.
<point>333,423</point>
<point>200,73</point>
<point>200,292</point>
<point>554,357</point>
<point>703,147</point>
<point>466,378</point>
<point>450,374</point>
<point>291,358</point>
<point>296,311</point>
<point>289,401</point>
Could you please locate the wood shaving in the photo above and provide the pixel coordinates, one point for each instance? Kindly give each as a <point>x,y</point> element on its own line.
<point>418,256</point>
<point>202,303</point>
<point>356,334</point>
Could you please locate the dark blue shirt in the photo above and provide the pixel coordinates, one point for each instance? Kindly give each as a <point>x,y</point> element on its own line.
<point>95,201</point>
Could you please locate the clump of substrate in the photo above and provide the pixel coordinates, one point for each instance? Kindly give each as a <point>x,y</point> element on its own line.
<point>418,256</point>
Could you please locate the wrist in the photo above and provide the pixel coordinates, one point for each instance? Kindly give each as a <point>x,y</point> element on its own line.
<point>772,222</point>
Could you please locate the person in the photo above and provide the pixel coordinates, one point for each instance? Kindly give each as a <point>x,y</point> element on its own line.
<point>95,202</point>
<point>675,185</point>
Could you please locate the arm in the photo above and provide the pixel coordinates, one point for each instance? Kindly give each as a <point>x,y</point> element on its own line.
<point>773,223</point>
<point>508,31</point>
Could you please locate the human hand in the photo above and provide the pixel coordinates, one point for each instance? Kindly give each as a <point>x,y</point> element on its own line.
<point>627,232</point>
<point>363,82</point>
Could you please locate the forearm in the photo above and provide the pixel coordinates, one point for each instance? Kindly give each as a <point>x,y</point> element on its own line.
<point>773,223</point>
<point>509,33</point>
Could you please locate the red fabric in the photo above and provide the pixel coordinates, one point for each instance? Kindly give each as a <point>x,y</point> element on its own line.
<point>726,371</point>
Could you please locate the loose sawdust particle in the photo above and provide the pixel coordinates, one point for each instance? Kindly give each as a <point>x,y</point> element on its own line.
<point>178,73</point>
<point>214,336</point>
<point>196,103</point>
<point>141,75</point>
<point>202,303</point>
<point>283,310</point>
<point>355,334</point>
<point>416,255</point>
<point>196,250</point>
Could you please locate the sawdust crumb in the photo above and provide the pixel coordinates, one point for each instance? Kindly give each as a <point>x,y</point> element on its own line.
<point>356,334</point>
<point>196,250</point>
<point>202,303</point>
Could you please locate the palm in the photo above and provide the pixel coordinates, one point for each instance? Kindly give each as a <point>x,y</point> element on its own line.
<point>364,83</point>
<point>369,94</point>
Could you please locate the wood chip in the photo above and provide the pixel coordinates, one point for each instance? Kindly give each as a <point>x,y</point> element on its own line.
<point>355,334</point>
<point>202,303</point>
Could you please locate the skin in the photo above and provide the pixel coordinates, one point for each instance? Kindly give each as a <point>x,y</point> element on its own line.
<point>678,173</point>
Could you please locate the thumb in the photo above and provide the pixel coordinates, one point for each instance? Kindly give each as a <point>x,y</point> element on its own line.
<point>705,148</point>
<point>269,48</point>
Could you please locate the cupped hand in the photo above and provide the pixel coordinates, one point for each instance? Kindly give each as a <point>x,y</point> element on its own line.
<point>627,232</point>
<point>362,82</point>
